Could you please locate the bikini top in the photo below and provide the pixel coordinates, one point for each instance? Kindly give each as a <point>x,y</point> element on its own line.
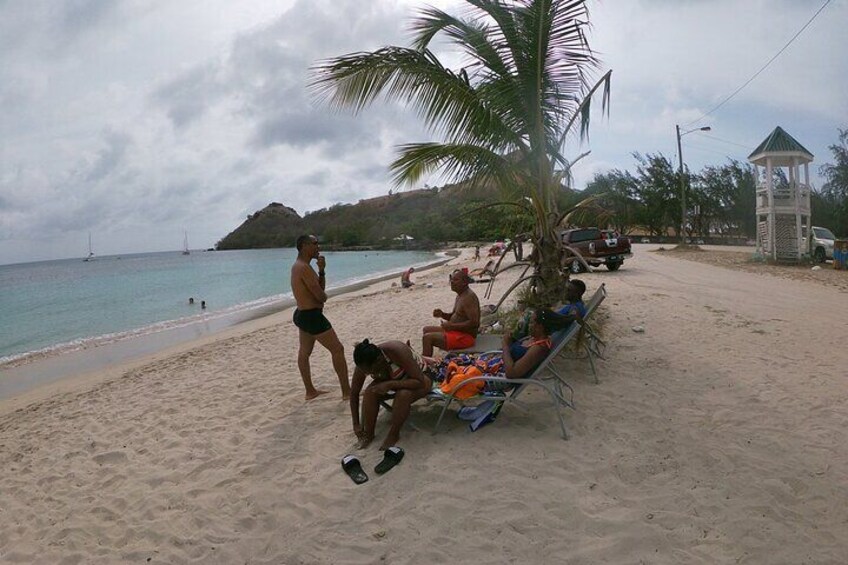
<point>546,342</point>
<point>396,372</point>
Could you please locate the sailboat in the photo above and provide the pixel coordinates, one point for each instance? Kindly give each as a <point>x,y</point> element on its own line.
<point>185,244</point>
<point>90,252</point>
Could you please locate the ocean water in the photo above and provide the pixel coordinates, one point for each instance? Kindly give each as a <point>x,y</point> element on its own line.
<point>68,304</point>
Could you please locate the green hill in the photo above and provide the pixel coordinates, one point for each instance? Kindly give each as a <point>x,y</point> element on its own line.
<point>430,216</point>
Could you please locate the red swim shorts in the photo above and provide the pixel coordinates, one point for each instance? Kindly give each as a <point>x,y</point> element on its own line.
<point>458,340</point>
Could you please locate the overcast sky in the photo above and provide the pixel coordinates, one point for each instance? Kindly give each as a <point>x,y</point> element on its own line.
<point>135,120</point>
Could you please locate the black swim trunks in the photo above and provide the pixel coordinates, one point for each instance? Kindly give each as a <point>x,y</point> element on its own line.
<point>311,321</point>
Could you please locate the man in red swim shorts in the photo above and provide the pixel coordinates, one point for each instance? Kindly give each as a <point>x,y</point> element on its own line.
<point>459,328</point>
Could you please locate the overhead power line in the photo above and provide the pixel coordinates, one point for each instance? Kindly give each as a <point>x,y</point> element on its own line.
<point>727,141</point>
<point>708,150</point>
<point>764,67</point>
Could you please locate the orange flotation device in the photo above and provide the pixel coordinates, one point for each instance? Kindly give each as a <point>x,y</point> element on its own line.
<point>456,375</point>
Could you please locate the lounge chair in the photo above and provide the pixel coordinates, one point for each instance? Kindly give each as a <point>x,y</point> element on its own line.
<point>502,390</point>
<point>506,391</point>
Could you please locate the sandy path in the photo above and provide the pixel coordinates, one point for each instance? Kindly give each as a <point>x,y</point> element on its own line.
<point>716,436</point>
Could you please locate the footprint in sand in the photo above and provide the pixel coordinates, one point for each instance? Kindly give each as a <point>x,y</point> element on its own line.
<point>110,458</point>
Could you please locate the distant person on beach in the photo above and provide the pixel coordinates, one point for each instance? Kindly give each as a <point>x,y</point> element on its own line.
<point>518,247</point>
<point>203,305</point>
<point>405,280</point>
<point>191,301</point>
<point>394,368</point>
<point>460,326</point>
<point>476,252</point>
<point>487,270</point>
<point>308,288</point>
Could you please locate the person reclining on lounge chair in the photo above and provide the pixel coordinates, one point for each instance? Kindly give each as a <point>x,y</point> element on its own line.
<point>520,357</point>
<point>486,270</point>
<point>396,370</point>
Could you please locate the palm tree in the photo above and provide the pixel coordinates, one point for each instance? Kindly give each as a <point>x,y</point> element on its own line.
<point>504,116</point>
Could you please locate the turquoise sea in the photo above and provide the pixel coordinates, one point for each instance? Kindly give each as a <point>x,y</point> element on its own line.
<point>69,304</point>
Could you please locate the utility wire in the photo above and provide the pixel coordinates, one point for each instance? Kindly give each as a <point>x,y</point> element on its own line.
<point>716,151</point>
<point>727,141</point>
<point>764,67</point>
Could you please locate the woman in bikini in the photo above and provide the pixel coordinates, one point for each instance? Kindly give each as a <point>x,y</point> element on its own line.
<point>520,357</point>
<point>394,368</point>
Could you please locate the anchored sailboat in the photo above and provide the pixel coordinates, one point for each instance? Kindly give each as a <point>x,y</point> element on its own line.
<point>90,252</point>
<point>185,244</point>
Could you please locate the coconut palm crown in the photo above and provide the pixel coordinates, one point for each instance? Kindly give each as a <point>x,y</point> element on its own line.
<point>504,115</point>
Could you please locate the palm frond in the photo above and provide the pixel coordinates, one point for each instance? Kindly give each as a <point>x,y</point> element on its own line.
<point>446,101</point>
<point>582,205</point>
<point>471,163</point>
<point>583,111</point>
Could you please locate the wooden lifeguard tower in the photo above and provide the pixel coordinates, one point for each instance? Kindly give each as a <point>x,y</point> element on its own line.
<point>783,208</point>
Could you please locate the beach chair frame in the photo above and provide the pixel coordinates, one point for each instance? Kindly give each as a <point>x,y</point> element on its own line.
<point>555,391</point>
<point>592,344</point>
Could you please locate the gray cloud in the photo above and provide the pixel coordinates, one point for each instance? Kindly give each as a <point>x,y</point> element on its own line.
<point>109,158</point>
<point>75,17</point>
<point>187,97</point>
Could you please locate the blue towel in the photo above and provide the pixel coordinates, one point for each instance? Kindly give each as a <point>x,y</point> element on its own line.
<point>472,413</point>
<point>484,418</point>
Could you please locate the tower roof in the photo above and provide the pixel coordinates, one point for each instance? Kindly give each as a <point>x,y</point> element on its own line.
<point>779,142</point>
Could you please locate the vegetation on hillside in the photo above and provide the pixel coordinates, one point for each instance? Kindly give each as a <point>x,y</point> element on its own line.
<point>431,216</point>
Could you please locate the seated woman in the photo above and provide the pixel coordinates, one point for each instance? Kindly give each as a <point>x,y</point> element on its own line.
<point>393,367</point>
<point>520,357</point>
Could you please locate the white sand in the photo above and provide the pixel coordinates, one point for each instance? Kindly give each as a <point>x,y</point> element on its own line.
<point>716,436</point>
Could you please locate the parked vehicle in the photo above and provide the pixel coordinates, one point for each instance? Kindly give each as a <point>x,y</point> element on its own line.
<point>821,246</point>
<point>597,247</point>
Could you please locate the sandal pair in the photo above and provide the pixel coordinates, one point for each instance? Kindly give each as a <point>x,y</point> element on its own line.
<point>352,466</point>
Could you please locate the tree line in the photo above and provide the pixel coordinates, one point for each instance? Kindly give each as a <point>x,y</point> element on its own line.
<point>721,199</point>
<point>721,202</point>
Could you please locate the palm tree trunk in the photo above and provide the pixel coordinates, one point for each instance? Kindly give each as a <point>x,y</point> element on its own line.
<point>550,286</point>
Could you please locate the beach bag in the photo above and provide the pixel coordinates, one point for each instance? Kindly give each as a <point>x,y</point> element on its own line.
<point>456,375</point>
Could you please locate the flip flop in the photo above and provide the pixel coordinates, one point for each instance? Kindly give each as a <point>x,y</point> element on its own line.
<point>391,457</point>
<point>353,468</point>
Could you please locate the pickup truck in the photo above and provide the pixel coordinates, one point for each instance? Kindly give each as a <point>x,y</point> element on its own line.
<point>597,247</point>
<point>821,246</point>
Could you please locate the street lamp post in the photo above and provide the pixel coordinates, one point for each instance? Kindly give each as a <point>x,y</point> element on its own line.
<point>682,183</point>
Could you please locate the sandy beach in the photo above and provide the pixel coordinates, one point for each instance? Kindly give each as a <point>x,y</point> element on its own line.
<point>714,436</point>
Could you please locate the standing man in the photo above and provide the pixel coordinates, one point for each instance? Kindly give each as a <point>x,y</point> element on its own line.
<point>459,328</point>
<point>308,289</point>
